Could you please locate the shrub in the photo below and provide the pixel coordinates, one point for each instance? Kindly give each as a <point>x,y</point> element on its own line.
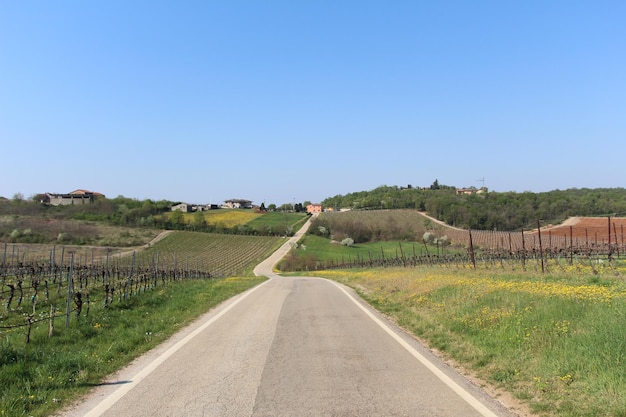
<point>347,242</point>
<point>443,241</point>
<point>293,262</point>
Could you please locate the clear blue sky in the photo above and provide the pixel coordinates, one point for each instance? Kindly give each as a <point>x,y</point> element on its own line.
<point>276,101</point>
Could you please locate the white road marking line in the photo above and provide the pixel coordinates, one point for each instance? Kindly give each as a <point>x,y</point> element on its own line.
<point>469,398</point>
<point>147,370</point>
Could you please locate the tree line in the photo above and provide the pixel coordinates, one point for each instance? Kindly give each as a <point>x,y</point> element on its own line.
<point>505,211</point>
<point>29,221</point>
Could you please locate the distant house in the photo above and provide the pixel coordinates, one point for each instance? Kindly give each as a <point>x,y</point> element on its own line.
<point>86,192</point>
<point>77,197</point>
<point>184,207</point>
<point>471,190</point>
<point>313,208</point>
<point>237,204</point>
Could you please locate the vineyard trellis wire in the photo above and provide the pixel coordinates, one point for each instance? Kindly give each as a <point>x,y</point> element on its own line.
<point>76,283</point>
<point>542,249</point>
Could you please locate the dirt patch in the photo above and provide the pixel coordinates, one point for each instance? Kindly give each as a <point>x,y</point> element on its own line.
<point>160,236</point>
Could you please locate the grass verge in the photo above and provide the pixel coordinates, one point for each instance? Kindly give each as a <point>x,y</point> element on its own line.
<point>46,374</point>
<point>556,342</point>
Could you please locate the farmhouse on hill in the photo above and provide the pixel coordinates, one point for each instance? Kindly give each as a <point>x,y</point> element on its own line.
<point>471,190</point>
<point>184,207</point>
<point>236,203</point>
<point>75,197</point>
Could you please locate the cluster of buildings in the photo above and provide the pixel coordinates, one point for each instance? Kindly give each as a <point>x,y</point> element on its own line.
<point>80,197</point>
<point>233,203</point>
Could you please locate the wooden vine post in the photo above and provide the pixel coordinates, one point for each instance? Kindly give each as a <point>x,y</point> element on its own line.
<point>68,304</point>
<point>571,245</point>
<point>4,268</point>
<point>471,249</point>
<point>523,252</point>
<point>29,322</point>
<point>609,221</point>
<point>616,242</point>
<point>540,247</point>
<point>51,326</point>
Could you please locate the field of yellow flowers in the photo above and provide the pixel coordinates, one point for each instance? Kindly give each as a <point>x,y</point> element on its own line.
<point>556,342</point>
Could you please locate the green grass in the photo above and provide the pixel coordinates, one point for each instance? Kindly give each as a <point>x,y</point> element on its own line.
<point>314,250</point>
<point>556,342</point>
<point>41,377</point>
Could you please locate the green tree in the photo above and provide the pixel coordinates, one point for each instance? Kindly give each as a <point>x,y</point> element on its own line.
<point>178,218</point>
<point>18,198</point>
<point>198,220</point>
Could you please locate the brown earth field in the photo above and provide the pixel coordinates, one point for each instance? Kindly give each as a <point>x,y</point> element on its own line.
<point>578,232</point>
<point>591,228</point>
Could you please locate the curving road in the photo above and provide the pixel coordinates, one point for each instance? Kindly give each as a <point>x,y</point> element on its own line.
<point>298,346</point>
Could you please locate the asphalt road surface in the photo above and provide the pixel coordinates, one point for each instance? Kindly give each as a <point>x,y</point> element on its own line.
<point>293,347</point>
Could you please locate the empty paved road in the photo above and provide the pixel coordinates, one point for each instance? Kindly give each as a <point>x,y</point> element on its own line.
<point>289,347</point>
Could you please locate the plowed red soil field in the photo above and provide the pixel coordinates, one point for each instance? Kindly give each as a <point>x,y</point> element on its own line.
<point>590,228</point>
<point>580,232</point>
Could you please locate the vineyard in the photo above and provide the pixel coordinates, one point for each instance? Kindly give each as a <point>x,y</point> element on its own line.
<point>222,255</point>
<point>587,241</point>
<point>591,235</point>
<point>67,282</point>
<point>69,315</point>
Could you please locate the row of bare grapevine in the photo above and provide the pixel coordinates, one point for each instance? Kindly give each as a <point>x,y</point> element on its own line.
<point>483,259</point>
<point>608,239</point>
<point>226,255</point>
<point>517,249</point>
<point>34,291</point>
